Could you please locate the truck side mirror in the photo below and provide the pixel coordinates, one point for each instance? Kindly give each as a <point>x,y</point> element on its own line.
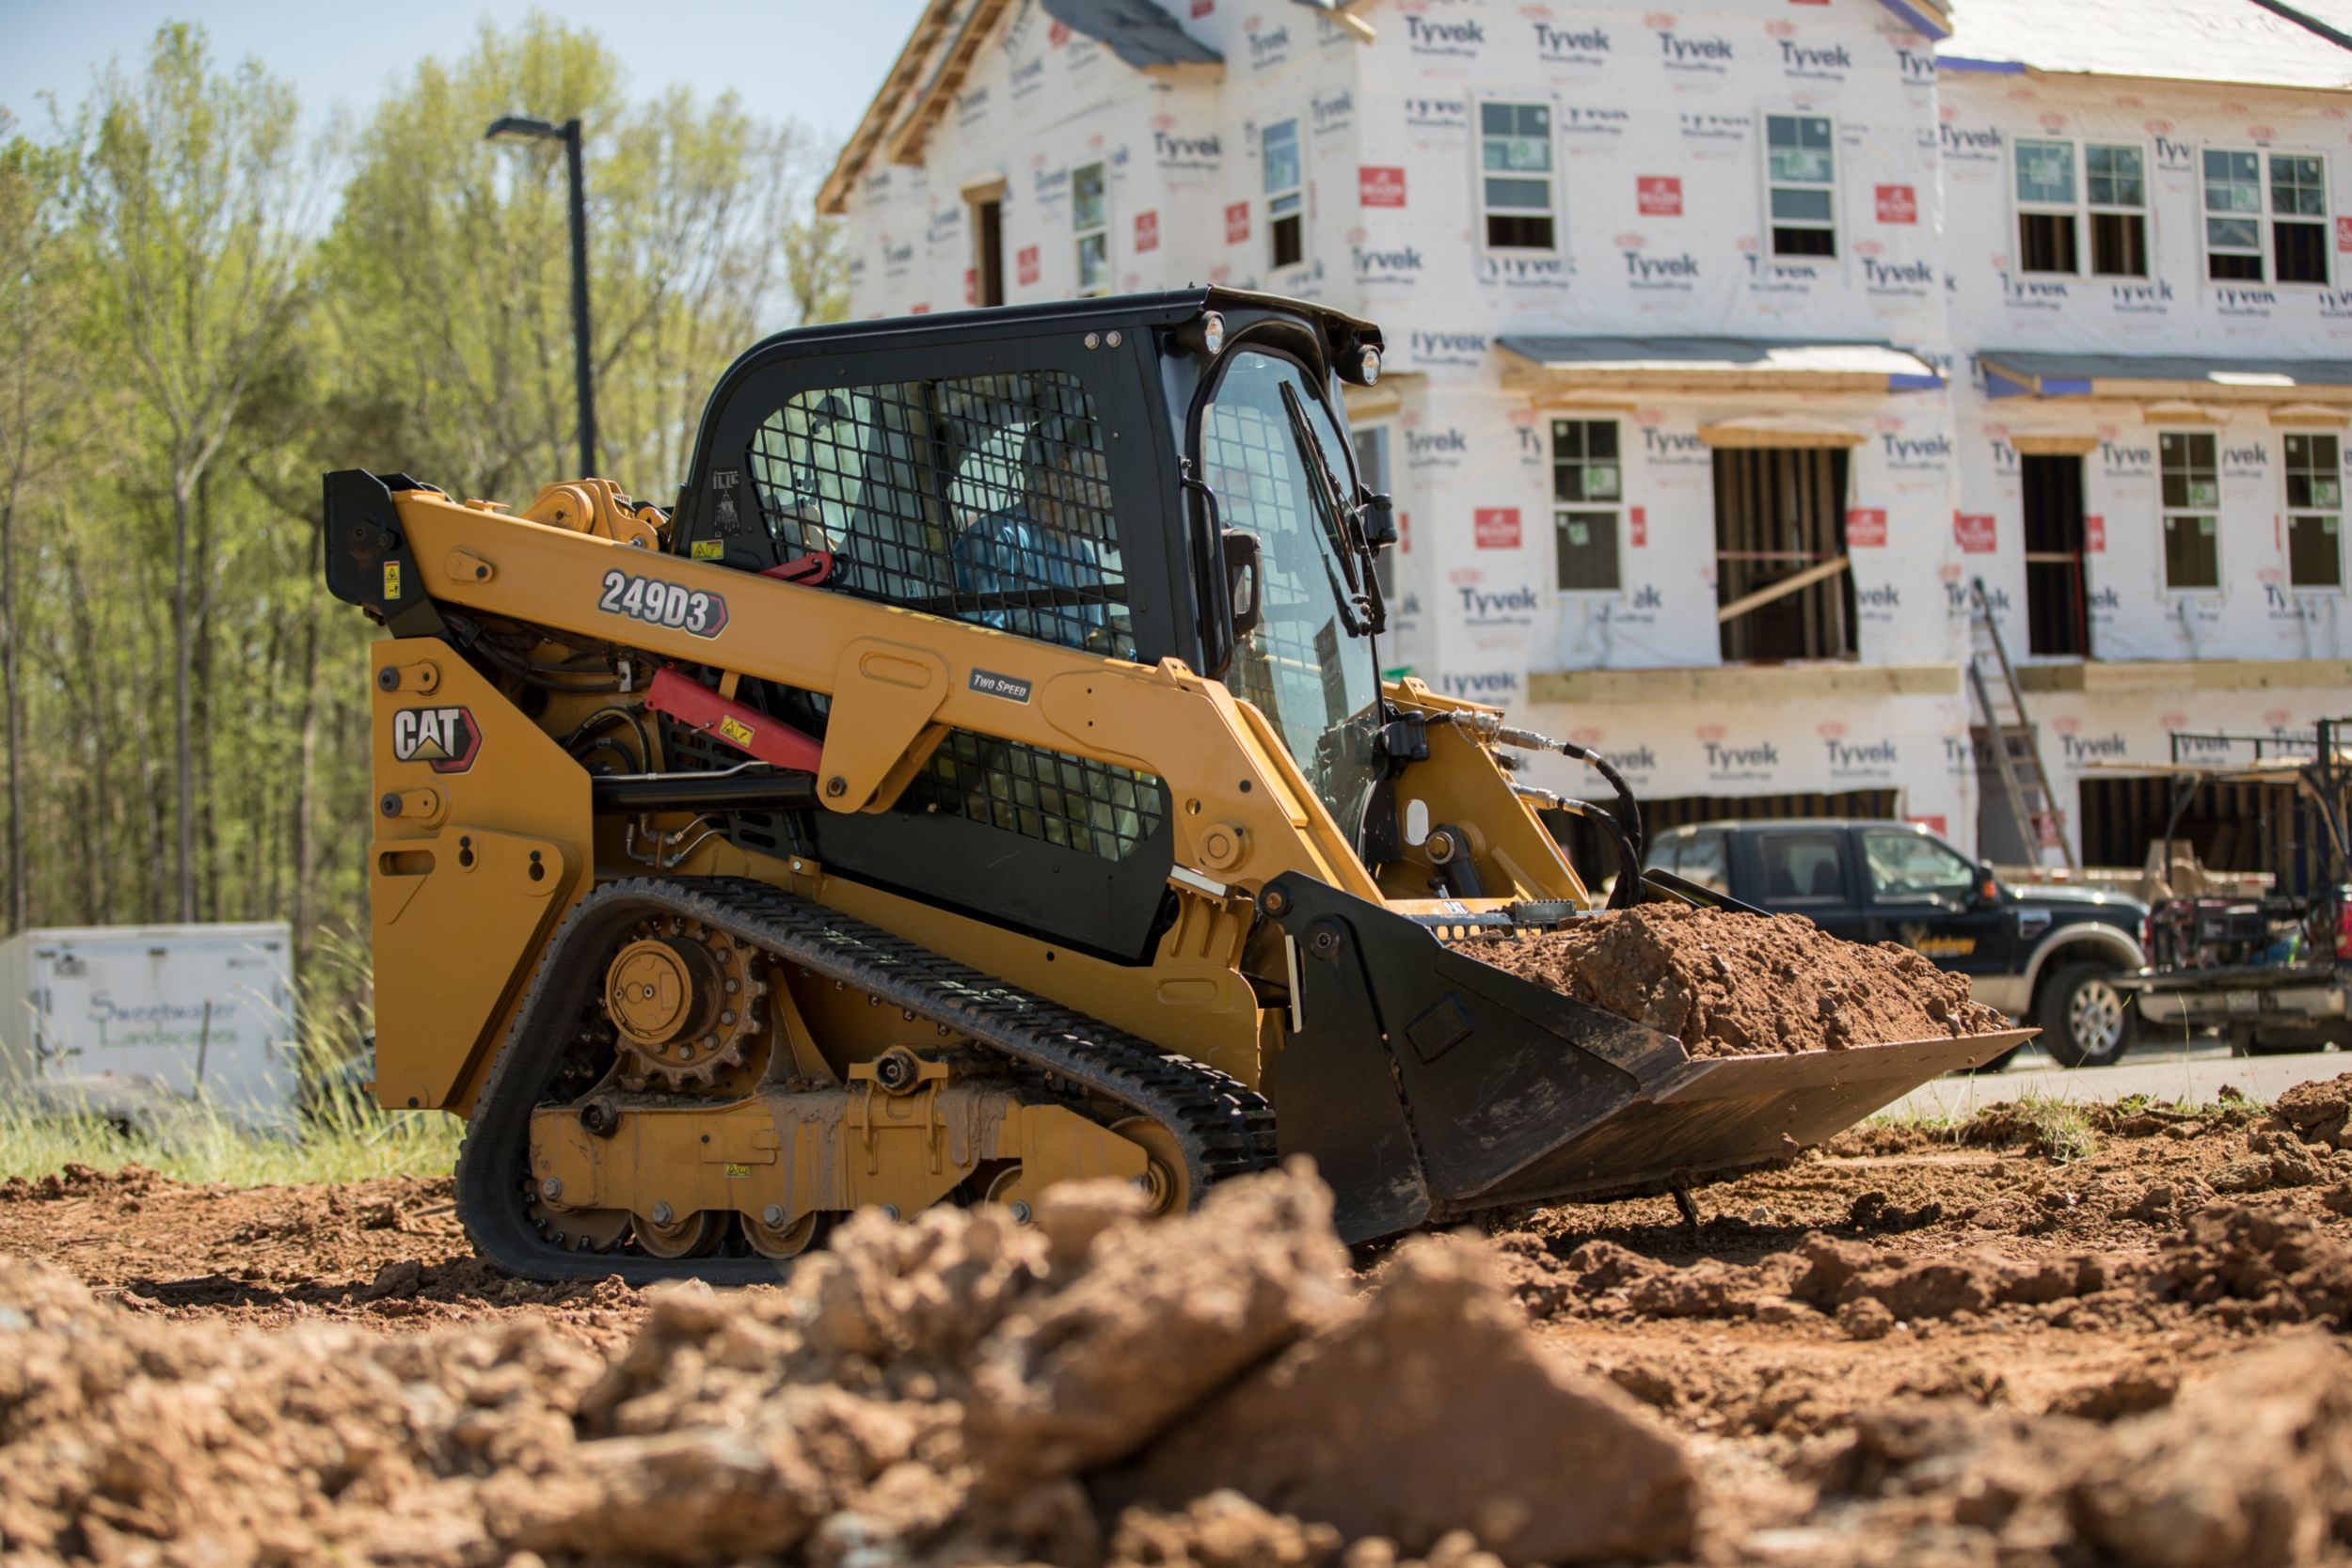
<point>1988,886</point>
<point>1243,582</point>
<point>1380,522</point>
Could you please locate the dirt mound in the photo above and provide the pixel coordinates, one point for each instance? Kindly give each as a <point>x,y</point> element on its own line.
<point>2241,1266</point>
<point>2318,1113</point>
<point>2250,1265</point>
<point>1727,984</point>
<point>959,1388</point>
<point>2251,1465</point>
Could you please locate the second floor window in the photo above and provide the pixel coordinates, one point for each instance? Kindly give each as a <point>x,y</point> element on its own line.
<point>1801,182</point>
<point>1516,177</point>
<point>2192,510</point>
<point>1090,218</point>
<point>2265,216</point>
<point>2314,510</point>
<point>1588,494</point>
<point>2054,206</point>
<point>1285,197</point>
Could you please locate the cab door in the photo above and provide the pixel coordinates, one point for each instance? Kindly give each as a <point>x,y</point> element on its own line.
<point>1928,896</point>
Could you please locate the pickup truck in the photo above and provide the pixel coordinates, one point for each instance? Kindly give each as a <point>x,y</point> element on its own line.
<point>2042,955</point>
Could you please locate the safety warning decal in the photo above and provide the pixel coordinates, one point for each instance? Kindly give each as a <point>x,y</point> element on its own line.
<point>668,605</point>
<point>445,739</point>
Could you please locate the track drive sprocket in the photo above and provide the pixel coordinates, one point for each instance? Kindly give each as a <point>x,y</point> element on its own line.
<point>685,1001</point>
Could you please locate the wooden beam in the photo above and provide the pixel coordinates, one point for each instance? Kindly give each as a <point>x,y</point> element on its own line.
<point>2182,411</point>
<point>1780,590</point>
<point>1732,685</point>
<point>2045,444</point>
<point>2166,675</point>
<point>2314,415</point>
<point>1779,430</point>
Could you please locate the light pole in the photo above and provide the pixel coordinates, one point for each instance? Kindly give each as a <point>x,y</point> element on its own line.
<point>568,134</point>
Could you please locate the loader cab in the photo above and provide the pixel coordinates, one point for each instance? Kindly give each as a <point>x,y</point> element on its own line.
<point>1146,477</point>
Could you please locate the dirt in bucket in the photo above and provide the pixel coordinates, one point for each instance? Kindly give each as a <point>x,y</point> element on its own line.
<point>1727,984</point>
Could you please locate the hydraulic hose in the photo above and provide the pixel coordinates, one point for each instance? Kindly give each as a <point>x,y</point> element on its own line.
<point>1489,727</point>
<point>1632,821</point>
<point>1627,892</point>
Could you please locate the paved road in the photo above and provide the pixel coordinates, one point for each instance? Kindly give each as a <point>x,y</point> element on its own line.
<point>2196,1074</point>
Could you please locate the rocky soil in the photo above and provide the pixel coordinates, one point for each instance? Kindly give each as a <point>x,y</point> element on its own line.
<point>1729,984</point>
<point>2037,1340</point>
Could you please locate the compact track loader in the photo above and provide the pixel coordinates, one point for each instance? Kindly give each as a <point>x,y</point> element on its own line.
<point>982,778</point>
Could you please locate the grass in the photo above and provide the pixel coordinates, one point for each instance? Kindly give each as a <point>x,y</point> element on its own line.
<point>201,1144</point>
<point>340,1137</point>
<point>2055,1129</point>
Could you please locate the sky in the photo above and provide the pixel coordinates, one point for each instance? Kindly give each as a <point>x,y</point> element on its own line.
<point>818,61</point>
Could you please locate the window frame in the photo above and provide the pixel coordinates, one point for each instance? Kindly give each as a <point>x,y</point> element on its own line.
<point>2265,218</point>
<point>1562,509</point>
<point>1935,897</point>
<point>2312,511</point>
<point>1269,197</point>
<point>1845,897</point>
<point>2082,213</point>
<point>1081,233</point>
<point>1835,227</point>
<point>2166,513</point>
<point>1551,175</point>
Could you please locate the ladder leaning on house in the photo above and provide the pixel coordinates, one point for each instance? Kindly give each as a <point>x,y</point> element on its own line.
<point>2010,737</point>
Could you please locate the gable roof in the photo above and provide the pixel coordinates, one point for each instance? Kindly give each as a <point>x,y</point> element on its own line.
<point>1138,31</point>
<point>2247,42</point>
<point>944,46</point>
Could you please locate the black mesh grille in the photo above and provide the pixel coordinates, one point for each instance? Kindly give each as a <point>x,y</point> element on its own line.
<point>985,499</point>
<point>1096,808</point>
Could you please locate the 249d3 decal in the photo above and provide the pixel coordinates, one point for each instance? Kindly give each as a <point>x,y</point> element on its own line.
<point>663,604</point>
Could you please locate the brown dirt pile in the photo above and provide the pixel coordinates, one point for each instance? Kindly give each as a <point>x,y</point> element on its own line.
<point>2252,1463</point>
<point>958,1389</point>
<point>1727,984</point>
<point>2243,1265</point>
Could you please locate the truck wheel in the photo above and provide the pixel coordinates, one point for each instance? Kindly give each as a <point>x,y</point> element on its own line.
<point>2085,1020</point>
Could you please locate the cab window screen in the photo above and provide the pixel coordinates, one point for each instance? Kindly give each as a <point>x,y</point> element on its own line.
<point>982,499</point>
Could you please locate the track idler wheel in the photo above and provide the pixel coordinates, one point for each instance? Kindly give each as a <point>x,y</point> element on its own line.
<point>665,1236</point>
<point>684,1002</point>
<point>1164,1179</point>
<point>770,1236</point>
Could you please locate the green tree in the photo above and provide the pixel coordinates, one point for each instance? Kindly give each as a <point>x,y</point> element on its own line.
<point>448,270</point>
<point>196,196</point>
<point>39,380</point>
<point>195,323</point>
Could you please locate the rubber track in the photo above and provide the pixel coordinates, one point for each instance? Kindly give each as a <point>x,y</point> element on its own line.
<point>1223,1128</point>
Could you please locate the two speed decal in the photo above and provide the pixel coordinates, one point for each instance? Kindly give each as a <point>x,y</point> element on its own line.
<point>663,604</point>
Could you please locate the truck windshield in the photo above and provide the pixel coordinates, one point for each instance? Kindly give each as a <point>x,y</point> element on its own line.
<point>1309,663</point>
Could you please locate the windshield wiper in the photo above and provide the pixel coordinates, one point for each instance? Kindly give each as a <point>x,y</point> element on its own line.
<point>1327,492</point>
<point>1362,611</point>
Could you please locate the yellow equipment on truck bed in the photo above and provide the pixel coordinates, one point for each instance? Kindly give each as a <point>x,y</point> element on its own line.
<point>980,778</point>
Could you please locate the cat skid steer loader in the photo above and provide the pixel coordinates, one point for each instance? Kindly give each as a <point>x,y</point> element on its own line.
<point>982,778</point>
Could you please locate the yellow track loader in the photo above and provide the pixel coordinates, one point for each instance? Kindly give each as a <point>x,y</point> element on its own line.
<point>981,778</point>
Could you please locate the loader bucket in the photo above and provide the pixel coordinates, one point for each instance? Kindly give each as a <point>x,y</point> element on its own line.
<point>1427,1084</point>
